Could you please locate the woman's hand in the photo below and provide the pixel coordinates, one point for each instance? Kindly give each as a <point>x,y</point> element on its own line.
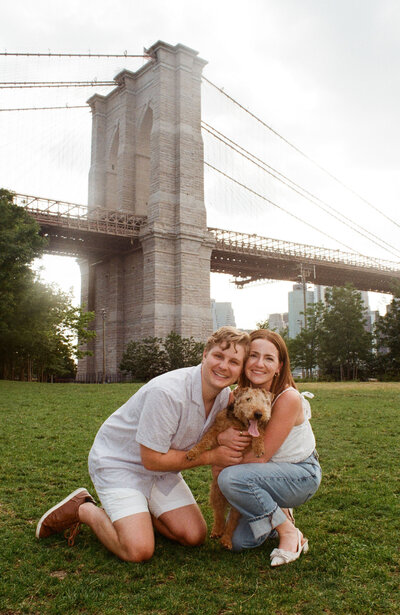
<point>224,456</point>
<point>234,439</point>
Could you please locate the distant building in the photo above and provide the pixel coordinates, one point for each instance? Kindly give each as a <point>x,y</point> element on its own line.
<point>373,316</point>
<point>222,314</point>
<point>277,322</point>
<point>297,298</point>
<point>319,292</point>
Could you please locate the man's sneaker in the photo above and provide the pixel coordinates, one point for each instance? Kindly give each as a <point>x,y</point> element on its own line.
<point>64,515</point>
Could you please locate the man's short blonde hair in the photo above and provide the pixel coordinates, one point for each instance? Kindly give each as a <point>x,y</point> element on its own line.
<point>227,336</point>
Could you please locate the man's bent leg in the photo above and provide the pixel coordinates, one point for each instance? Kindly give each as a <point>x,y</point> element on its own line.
<point>186,525</point>
<point>176,514</point>
<point>130,538</point>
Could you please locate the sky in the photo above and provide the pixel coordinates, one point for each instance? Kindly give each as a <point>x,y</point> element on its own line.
<point>322,73</point>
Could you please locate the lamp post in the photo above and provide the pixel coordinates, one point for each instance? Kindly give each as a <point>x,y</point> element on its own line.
<point>103,315</point>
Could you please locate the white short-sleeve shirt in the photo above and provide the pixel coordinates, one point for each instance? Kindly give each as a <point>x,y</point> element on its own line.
<point>167,412</point>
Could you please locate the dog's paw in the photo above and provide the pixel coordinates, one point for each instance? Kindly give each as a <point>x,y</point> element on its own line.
<point>226,542</point>
<point>216,532</point>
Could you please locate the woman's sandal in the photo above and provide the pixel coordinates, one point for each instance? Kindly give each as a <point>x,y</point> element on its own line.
<point>280,556</point>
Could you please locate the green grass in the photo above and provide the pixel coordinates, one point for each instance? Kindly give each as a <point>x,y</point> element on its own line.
<point>352,523</point>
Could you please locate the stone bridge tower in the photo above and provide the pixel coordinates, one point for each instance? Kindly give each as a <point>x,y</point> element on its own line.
<point>147,159</point>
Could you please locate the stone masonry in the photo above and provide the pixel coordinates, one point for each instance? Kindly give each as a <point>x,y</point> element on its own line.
<point>147,159</point>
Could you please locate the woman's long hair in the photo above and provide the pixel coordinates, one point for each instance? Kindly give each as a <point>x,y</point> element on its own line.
<point>285,378</point>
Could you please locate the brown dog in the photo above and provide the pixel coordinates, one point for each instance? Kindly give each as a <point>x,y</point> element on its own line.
<point>250,411</point>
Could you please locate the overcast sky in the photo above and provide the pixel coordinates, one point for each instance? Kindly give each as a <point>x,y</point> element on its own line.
<point>323,73</point>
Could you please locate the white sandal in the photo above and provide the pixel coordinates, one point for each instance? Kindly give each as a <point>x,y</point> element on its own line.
<point>280,556</point>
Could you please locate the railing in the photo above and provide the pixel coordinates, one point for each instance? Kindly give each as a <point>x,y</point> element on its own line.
<point>255,244</point>
<point>122,223</point>
<point>72,215</point>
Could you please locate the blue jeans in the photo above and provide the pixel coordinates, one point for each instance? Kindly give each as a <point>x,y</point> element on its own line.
<point>258,490</point>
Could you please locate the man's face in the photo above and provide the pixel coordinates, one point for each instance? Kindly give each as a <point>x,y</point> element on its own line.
<point>221,367</point>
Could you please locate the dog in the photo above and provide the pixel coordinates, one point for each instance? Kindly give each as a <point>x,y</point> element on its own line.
<point>250,411</point>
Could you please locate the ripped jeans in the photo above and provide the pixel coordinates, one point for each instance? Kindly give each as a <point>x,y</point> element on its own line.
<point>258,490</point>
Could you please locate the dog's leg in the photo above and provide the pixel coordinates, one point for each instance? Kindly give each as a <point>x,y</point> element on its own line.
<point>257,445</point>
<point>231,524</point>
<point>208,441</point>
<point>219,505</point>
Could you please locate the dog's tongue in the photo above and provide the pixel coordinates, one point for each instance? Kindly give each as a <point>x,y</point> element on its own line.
<point>253,429</point>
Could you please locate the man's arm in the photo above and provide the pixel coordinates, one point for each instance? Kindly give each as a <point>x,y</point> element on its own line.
<point>175,461</point>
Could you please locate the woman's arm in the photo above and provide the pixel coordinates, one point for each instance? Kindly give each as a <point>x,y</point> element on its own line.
<point>286,413</point>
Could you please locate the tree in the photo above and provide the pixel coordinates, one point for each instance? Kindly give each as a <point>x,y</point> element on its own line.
<point>44,334</point>
<point>38,323</point>
<point>20,241</point>
<point>345,344</point>
<point>145,359</point>
<point>182,351</point>
<point>304,349</point>
<point>153,356</point>
<point>387,331</point>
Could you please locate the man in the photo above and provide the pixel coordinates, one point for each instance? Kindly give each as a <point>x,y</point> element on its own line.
<point>139,451</point>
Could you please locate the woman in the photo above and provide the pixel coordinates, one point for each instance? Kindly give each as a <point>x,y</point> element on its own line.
<point>289,472</point>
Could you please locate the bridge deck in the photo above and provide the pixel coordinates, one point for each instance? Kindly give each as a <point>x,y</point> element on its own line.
<point>75,230</point>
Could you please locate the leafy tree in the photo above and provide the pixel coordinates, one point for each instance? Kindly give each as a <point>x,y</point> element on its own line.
<point>153,356</point>
<point>263,324</point>
<point>182,351</point>
<point>387,330</point>
<point>44,334</point>
<point>145,359</point>
<point>304,349</point>
<point>20,241</point>
<point>345,344</point>
<point>38,324</point>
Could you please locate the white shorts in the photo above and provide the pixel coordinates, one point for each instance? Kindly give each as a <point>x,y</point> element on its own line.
<point>123,501</point>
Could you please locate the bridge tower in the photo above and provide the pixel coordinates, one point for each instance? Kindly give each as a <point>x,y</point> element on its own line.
<point>147,159</point>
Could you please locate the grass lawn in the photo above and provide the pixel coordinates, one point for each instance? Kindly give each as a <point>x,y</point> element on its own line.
<point>353,522</point>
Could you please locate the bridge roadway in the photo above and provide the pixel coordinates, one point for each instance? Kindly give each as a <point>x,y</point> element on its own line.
<point>74,231</point>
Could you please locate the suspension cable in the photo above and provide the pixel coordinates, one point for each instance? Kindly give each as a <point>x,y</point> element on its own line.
<point>45,108</point>
<point>264,198</point>
<point>54,84</point>
<point>299,151</point>
<point>300,190</point>
<point>75,55</point>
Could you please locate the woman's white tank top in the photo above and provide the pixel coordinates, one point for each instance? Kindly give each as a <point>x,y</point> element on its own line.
<point>300,442</point>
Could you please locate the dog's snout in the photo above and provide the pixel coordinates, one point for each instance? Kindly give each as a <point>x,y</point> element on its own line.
<point>257,415</point>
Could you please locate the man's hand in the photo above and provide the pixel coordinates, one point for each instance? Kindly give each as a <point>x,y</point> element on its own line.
<point>234,439</point>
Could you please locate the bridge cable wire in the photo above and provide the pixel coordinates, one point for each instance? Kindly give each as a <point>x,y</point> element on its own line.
<point>299,151</point>
<point>264,198</point>
<point>300,190</point>
<point>54,84</point>
<point>74,55</point>
<point>46,108</point>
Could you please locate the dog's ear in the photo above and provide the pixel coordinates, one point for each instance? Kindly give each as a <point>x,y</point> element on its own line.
<point>268,395</point>
<point>230,410</point>
<point>238,391</point>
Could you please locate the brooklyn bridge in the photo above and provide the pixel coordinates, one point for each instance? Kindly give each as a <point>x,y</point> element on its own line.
<point>143,243</point>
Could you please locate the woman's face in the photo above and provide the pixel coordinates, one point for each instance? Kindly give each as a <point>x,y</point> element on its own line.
<point>263,363</point>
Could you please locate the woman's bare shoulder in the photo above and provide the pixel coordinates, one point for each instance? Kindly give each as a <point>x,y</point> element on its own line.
<point>290,396</point>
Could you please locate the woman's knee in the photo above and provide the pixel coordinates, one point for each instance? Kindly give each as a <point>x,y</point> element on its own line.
<point>226,480</point>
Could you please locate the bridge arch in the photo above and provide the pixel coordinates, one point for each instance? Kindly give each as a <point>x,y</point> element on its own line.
<point>143,162</point>
<point>112,169</point>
